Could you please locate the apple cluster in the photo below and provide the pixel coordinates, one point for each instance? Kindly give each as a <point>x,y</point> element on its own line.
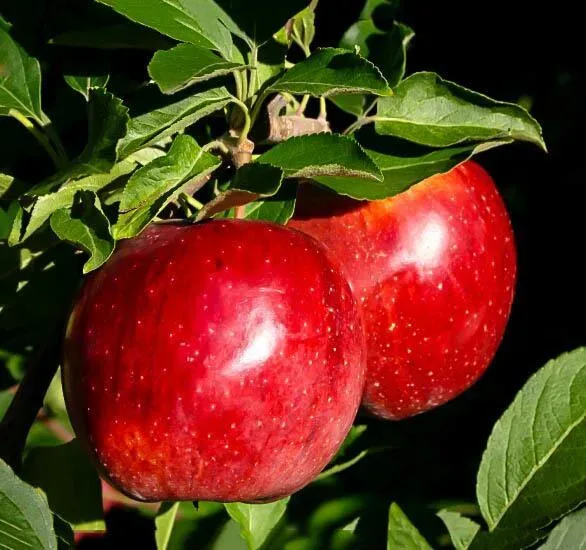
<point>226,360</point>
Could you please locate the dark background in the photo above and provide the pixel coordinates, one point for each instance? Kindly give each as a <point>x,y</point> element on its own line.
<point>509,50</point>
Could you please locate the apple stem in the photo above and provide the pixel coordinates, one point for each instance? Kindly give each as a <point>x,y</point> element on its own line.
<point>359,123</point>
<point>28,399</point>
<point>303,104</point>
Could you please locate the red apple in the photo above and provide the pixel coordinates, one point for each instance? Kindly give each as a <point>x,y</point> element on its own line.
<point>434,270</point>
<point>219,361</point>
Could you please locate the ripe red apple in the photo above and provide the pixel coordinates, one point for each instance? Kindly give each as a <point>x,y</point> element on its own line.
<point>434,270</point>
<point>219,361</point>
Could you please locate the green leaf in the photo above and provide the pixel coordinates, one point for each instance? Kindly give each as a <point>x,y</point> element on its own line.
<point>256,520</point>
<point>331,71</point>
<point>187,64</point>
<point>401,171</point>
<point>153,186</point>
<point>354,104</point>
<point>4,25</point>
<point>303,27</point>
<point>85,225</point>
<point>14,363</point>
<point>164,523</point>
<point>5,182</point>
<point>402,533</point>
<point>570,533</point>
<point>534,466</point>
<point>257,24</point>
<point>251,182</point>
<point>345,458</point>
<point>462,530</point>
<point>68,478</point>
<point>45,205</point>
<point>108,120</point>
<point>5,400</point>
<point>20,80</point>
<point>386,49</point>
<point>431,111</point>
<point>152,127</point>
<point>83,84</point>
<point>278,208</point>
<point>64,533</point>
<point>193,21</point>
<point>25,518</point>
<point>322,155</point>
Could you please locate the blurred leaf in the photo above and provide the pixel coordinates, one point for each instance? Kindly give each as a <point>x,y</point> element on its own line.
<point>54,402</point>
<point>402,533</point>
<point>5,400</point>
<point>331,71</point>
<point>153,186</point>
<point>322,155</point>
<point>155,125</point>
<point>187,64</point>
<point>69,479</point>
<point>114,37</point>
<point>83,84</point>
<point>25,518</point>
<point>257,520</point>
<point>229,538</point>
<point>4,25</point>
<point>194,21</point>
<point>164,523</point>
<point>40,436</point>
<point>351,527</point>
<point>250,182</point>
<point>534,465</point>
<point>431,111</point>
<point>86,226</point>
<point>5,182</point>
<point>14,363</point>
<point>401,171</point>
<point>569,533</point>
<point>462,530</point>
<point>20,80</point>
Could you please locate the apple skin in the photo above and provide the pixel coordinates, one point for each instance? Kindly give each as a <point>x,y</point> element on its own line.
<point>434,271</point>
<point>219,361</point>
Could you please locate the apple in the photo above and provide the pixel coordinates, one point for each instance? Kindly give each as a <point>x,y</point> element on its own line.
<point>434,271</point>
<point>219,361</point>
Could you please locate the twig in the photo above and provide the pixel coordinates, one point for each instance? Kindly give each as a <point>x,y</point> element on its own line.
<point>29,397</point>
<point>39,136</point>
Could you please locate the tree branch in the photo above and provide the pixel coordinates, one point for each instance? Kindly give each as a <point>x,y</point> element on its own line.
<point>29,397</point>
